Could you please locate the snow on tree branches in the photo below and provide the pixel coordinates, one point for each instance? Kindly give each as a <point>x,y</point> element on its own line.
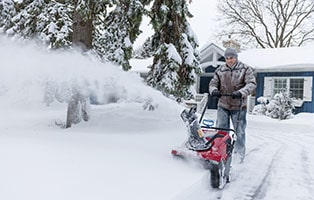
<point>176,59</point>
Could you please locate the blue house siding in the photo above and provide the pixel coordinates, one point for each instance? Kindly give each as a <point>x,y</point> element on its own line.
<point>306,107</point>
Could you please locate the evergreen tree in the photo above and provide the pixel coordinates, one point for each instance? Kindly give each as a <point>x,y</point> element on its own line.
<point>7,12</point>
<point>49,21</point>
<point>54,24</point>
<point>24,22</point>
<point>176,59</point>
<point>147,50</point>
<point>57,23</point>
<point>122,29</point>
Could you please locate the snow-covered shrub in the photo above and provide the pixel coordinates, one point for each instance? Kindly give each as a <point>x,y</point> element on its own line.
<point>260,109</point>
<point>280,107</point>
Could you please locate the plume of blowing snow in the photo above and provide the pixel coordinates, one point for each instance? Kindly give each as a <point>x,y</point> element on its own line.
<point>31,75</point>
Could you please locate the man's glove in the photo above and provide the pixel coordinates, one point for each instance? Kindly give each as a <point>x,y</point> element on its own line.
<point>236,95</point>
<point>216,93</point>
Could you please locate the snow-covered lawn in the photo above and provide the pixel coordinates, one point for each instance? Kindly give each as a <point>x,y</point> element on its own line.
<point>124,153</point>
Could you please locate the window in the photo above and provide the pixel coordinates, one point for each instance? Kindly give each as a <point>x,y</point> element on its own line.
<point>279,85</point>
<point>294,85</point>
<point>300,87</point>
<point>209,58</point>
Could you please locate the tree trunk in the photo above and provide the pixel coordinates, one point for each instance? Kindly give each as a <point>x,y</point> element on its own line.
<point>82,29</point>
<point>74,111</point>
<point>78,106</point>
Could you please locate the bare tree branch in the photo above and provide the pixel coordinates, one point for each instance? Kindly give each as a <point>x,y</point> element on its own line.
<point>268,23</point>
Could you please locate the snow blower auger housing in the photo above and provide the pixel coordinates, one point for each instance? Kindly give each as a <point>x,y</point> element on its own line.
<point>212,145</point>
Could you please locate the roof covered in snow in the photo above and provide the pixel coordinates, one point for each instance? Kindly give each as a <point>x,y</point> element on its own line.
<point>293,58</point>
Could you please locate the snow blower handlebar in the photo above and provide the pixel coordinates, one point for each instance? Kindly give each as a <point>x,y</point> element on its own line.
<point>217,128</point>
<point>230,95</point>
<point>217,135</point>
<point>211,127</point>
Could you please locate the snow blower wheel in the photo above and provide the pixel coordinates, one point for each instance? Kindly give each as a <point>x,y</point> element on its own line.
<point>217,175</point>
<point>214,176</point>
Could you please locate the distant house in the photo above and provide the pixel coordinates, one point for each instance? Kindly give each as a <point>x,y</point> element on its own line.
<point>284,68</point>
<point>275,70</point>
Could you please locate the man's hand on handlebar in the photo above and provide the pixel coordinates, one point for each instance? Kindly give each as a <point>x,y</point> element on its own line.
<point>216,93</point>
<point>236,95</point>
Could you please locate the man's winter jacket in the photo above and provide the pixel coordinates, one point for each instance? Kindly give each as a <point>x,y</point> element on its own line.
<point>230,79</point>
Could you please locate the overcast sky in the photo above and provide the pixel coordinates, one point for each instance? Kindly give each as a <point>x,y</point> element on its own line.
<point>204,21</point>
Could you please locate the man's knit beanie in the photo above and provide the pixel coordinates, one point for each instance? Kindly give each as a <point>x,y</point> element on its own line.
<point>231,52</point>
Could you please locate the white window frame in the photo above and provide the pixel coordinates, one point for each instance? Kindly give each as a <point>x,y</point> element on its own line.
<point>307,86</point>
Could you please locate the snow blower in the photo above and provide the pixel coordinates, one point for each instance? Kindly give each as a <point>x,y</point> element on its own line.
<point>211,145</point>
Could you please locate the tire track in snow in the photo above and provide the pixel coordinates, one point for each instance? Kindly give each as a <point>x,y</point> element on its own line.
<point>309,160</point>
<point>308,181</point>
<point>261,190</point>
<point>293,169</point>
<point>255,187</point>
<point>306,172</point>
<point>304,156</point>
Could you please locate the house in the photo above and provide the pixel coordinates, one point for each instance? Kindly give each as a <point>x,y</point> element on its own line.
<point>275,70</point>
<point>284,68</point>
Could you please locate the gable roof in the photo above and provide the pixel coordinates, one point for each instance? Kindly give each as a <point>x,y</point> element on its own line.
<point>210,55</point>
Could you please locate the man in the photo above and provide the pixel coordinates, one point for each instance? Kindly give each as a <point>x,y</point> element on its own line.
<point>236,79</point>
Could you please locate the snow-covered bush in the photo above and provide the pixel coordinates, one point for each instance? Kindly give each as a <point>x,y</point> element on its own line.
<point>260,109</point>
<point>280,107</point>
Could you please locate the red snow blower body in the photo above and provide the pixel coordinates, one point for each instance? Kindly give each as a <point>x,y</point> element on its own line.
<point>217,147</point>
<point>211,145</point>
